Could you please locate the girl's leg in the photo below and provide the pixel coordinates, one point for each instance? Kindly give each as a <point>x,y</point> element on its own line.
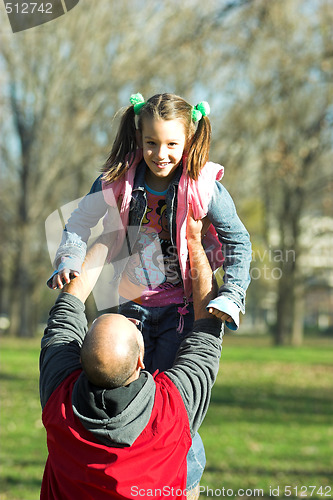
<point>164,335</point>
<point>193,494</point>
<point>162,341</point>
<point>159,330</point>
<point>196,461</point>
<point>165,323</point>
<point>134,310</point>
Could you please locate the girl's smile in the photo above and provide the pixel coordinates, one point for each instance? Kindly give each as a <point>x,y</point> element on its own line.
<point>163,143</point>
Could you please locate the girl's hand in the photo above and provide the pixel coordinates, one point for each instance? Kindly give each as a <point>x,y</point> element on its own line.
<point>220,314</point>
<point>63,277</point>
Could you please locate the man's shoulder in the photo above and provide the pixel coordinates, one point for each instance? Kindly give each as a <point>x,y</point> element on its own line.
<point>168,397</point>
<point>62,391</point>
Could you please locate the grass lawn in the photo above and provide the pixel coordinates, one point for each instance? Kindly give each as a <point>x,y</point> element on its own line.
<point>268,432</point>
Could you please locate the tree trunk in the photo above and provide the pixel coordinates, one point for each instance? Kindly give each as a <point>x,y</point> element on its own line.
<point>298,319</point>
<point>284,306</point>
<point>21,324</point>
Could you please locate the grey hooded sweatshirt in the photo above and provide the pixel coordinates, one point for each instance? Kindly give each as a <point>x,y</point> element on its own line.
<point>118,416</point>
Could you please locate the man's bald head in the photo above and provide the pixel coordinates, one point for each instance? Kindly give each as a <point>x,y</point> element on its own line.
<point>112,352</point>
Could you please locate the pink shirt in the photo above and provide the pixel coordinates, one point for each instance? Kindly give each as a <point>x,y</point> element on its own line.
<point>152,275</point>
<point>197,193</point>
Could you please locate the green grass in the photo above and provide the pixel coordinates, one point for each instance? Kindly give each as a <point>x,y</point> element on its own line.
<point>23,443</point>
<point>269,424</point>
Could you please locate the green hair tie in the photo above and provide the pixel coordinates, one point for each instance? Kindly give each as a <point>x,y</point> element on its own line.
<point>138,102</point>
<point>196,115</point>
<point>200,110</point>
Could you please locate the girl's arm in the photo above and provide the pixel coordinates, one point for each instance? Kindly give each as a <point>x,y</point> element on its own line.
<point>72,250</point>
<point>236,249</point>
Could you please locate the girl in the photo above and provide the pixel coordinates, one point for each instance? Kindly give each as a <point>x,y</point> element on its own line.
<point>157,168</point>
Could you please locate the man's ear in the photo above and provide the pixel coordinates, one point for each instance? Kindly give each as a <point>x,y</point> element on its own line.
<point>138,137</point>
<point>140,362</point>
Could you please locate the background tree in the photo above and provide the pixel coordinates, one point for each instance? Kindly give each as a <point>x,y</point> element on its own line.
<point>265,67</point>
<point>278,132</point>
<point>62,83</point>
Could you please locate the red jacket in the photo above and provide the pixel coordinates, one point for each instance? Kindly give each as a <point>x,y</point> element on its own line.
<point>81,468</point>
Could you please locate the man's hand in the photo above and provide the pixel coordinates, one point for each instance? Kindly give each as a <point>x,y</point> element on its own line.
<point>82,285</point>
<point>64,276</point>
<point>196,229</point>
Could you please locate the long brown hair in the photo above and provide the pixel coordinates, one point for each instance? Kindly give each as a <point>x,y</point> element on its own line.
<point>162,107</point>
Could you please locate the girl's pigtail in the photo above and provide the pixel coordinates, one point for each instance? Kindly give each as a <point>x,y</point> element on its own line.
<point>198,151</point>
<point>123,150</point>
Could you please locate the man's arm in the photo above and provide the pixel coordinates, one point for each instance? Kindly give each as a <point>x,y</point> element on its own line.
<point>72,250</point>
<point>197,361</point>
<point>67,325</point>
<point>81,286</point>
<point>204,286</point>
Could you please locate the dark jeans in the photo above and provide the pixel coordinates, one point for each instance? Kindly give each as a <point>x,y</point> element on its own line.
<point>159,329</point>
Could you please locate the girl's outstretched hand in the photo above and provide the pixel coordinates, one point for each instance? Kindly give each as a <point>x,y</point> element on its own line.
<point>220,314</point>
<point>63,277</point>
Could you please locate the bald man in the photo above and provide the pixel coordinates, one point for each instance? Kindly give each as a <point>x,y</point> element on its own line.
<point>113,429</point>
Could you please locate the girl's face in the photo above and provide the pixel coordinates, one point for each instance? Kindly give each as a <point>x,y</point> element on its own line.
<point>163,143</point>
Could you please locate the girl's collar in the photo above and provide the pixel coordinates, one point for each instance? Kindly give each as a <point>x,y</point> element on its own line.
<point>156,193</point>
